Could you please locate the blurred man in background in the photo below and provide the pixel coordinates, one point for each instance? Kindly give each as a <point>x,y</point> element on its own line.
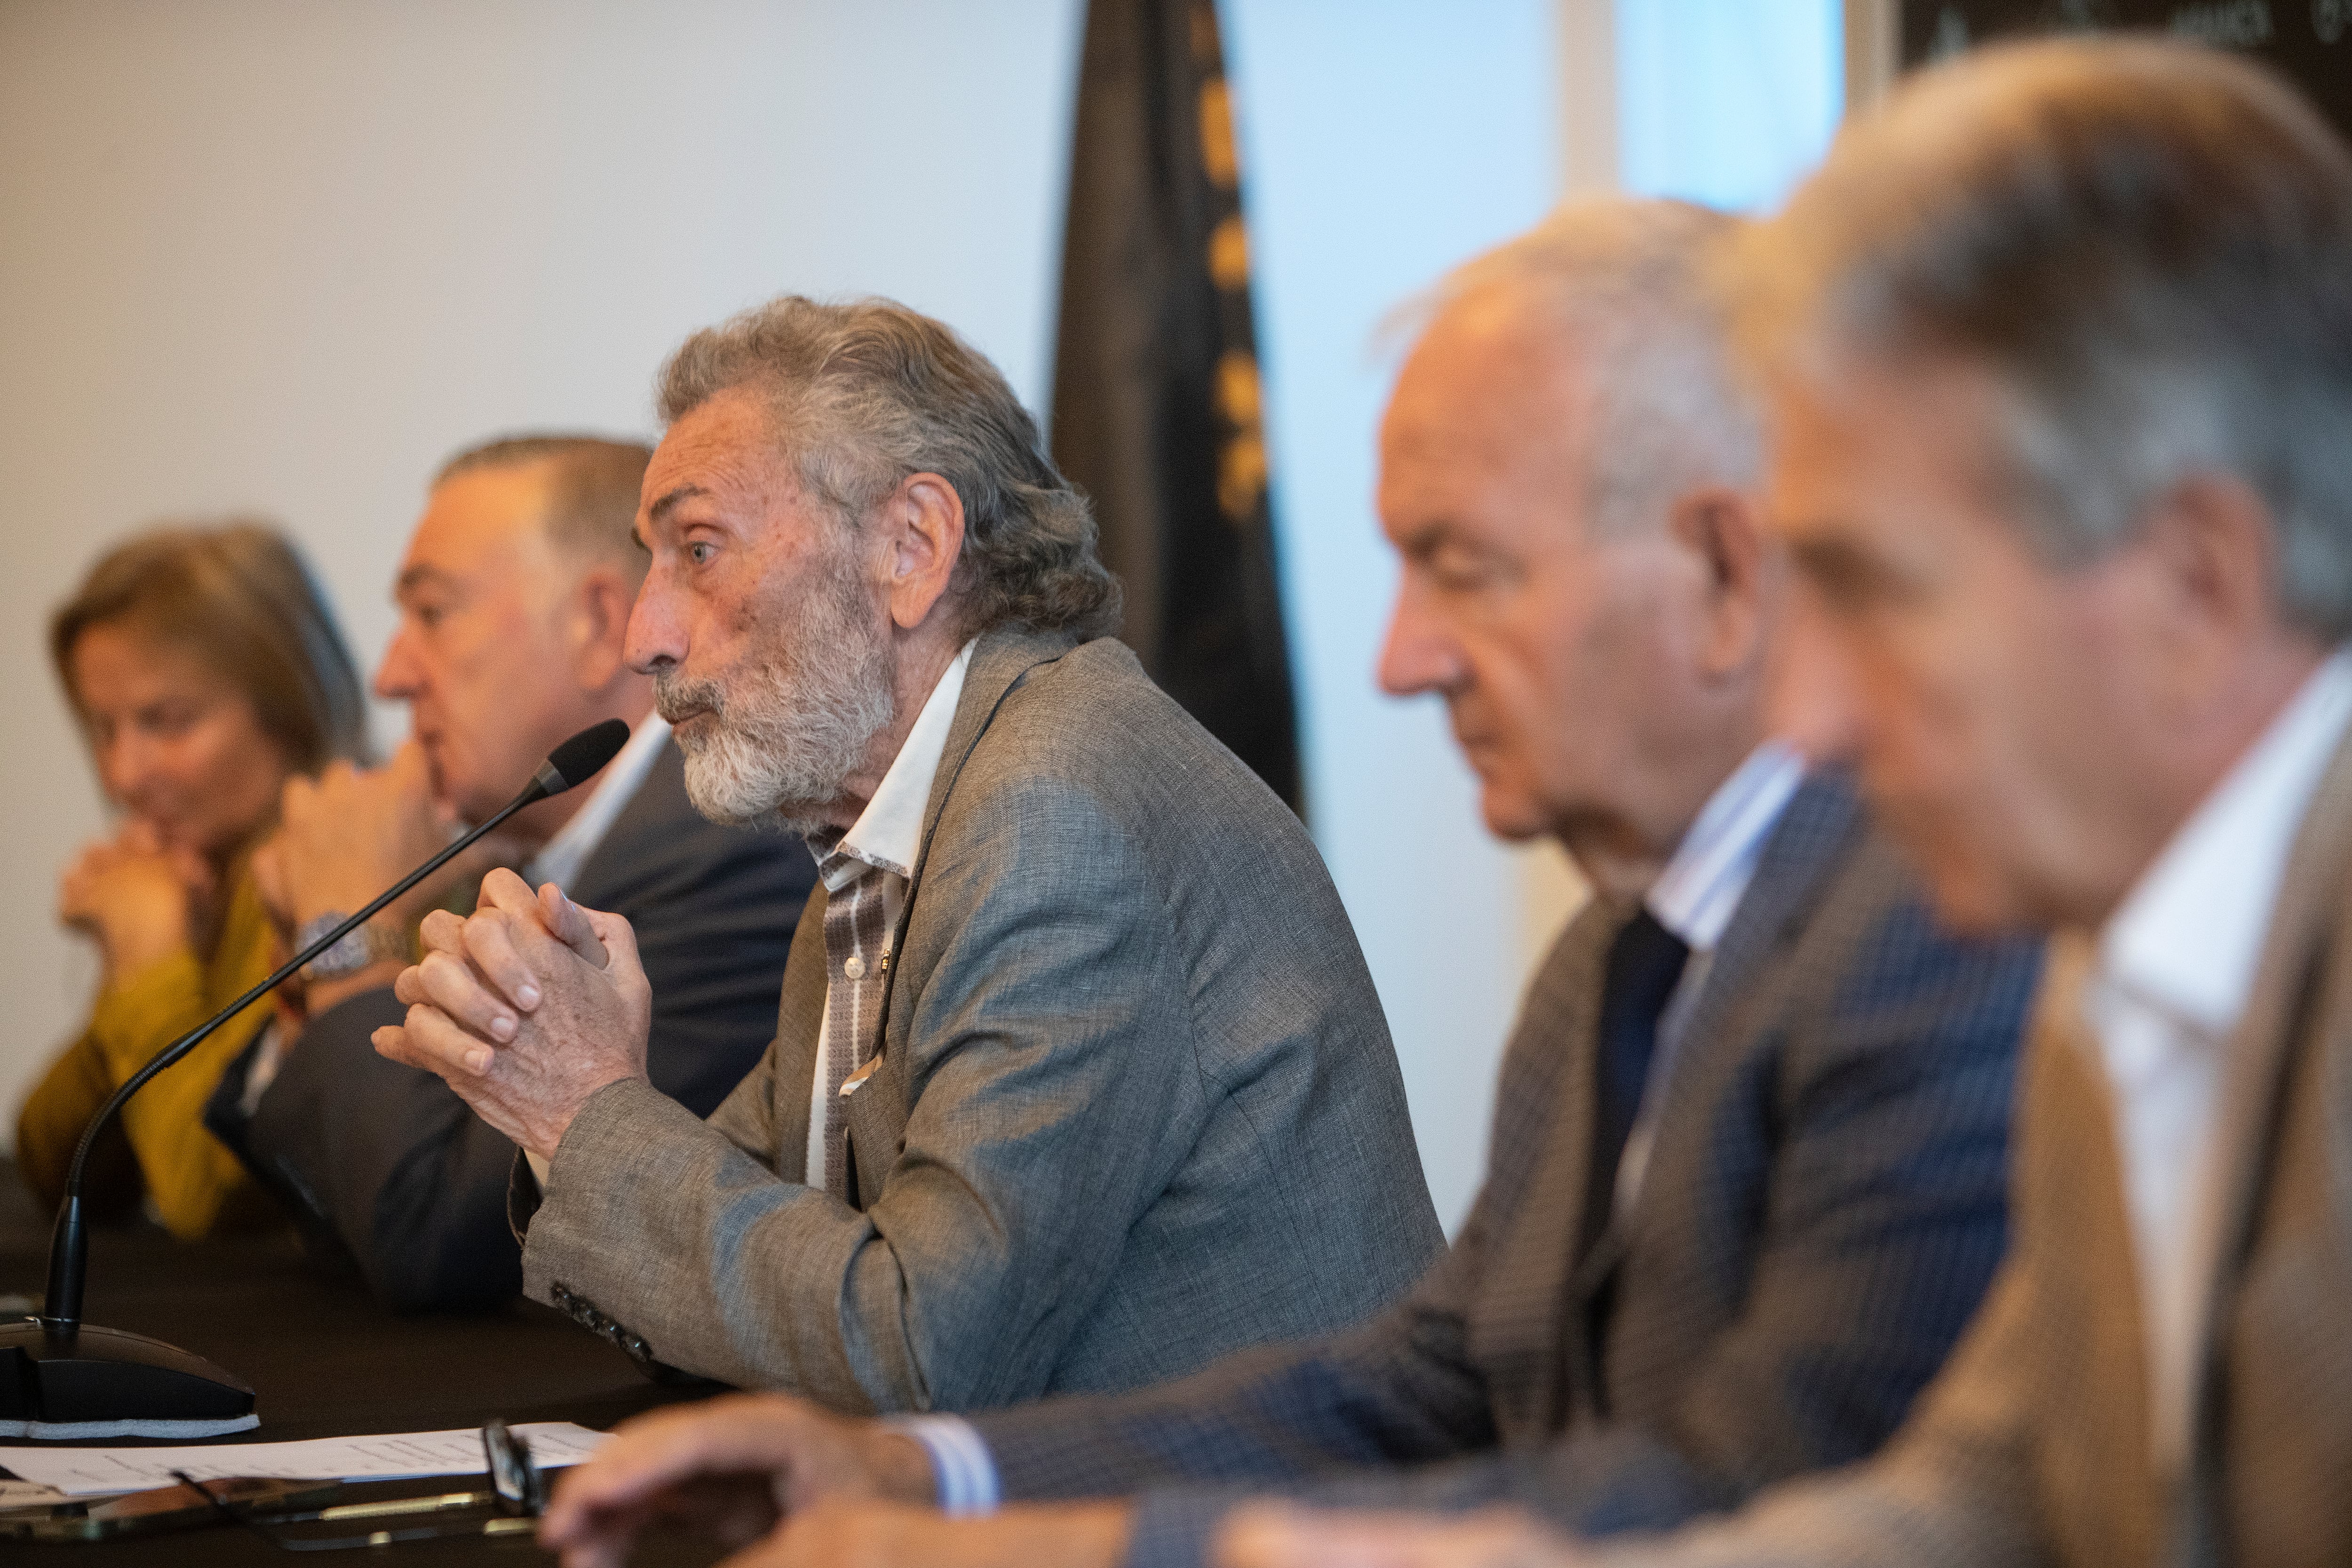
<point>1746,1178</point>
<point>2060,345</point>
<point>514,602</point>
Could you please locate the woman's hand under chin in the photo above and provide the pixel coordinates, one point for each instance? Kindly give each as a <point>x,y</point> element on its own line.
<point>138,898</point>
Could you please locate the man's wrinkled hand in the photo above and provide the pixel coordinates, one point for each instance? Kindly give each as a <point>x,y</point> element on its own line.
<point>526,1007</point>
<point>731,1466</point>
<point>1282,1535</point>
<point>347,835</point>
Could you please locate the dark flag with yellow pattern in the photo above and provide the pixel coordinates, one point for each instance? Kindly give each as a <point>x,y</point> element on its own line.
<point>1156,399</point>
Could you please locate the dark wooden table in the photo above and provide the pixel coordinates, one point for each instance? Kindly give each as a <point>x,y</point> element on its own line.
<point>326,1361</point>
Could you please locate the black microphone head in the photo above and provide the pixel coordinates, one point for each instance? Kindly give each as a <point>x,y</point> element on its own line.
<point>578,758</point>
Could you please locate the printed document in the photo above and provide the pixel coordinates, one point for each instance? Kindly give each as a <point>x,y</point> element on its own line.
<point>387,1456</point>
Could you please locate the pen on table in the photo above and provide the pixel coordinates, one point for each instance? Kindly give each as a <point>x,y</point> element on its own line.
<point>390,1509</point>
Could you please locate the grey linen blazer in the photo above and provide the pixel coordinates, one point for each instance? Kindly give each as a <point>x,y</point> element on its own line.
<point>1136,1105</point>
<point>386,1164</point>
<point>1821,1209</point>
<point>2032,1449</point>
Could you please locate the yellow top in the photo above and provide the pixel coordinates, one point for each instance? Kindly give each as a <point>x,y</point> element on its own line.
<point>197,1185</point>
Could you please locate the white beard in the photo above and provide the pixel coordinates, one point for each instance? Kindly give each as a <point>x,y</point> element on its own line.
<point>778,740</point>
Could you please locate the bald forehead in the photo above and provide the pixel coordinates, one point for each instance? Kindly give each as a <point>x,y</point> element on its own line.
<point>493,499</point>
<point>1493,376</point>
<point>480,518</point>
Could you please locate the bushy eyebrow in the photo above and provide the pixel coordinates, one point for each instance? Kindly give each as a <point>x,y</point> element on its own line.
<point>1427,538</point>
<point>418,577</point>
<point>661,507</point>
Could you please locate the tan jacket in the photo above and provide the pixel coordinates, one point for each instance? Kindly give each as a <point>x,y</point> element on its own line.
<point>2033,1446</point>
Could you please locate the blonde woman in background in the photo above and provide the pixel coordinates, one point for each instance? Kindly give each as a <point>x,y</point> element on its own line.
<point>205,669</point>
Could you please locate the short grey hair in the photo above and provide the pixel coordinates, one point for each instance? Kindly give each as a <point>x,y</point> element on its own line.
<point>2146,242</point>
<point>1634,283</point>
<point>865,393</point>
<point>592,488</point>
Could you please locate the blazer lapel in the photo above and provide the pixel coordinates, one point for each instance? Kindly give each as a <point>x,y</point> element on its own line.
<point>1526,1335</point>
<point>2071,1232</point>
<point>1820,823</point>
<point>1821,820</point>
<point>800,1014</point>
<point>1000,662</point>
<point>2257,1061</point>
<point>1003,659</point>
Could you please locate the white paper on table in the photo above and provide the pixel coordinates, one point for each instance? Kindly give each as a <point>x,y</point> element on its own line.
<point>387,1456</point>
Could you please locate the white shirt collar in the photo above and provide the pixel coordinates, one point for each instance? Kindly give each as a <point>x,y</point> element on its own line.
<point>888,831</point>
<point>2188,937</point>
<point>1694,895</point>
<point>560,859</point>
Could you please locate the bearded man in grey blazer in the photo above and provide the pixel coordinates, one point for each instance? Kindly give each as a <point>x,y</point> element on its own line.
<point>2060,356</point>
<point>1079,1081</point>
<point>1745,1185</point>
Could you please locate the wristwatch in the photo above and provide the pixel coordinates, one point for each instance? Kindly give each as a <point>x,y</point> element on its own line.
<point>370,943</point>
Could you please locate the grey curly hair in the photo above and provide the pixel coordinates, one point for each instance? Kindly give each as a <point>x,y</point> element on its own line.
<point>864,394</point>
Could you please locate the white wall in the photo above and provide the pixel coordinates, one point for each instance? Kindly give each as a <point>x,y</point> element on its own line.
<point>1727,101</point>
<point>284,256</point>
<point>275,255</point>
<point>1385,140</point>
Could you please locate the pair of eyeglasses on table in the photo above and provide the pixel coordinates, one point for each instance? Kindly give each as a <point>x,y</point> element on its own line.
<point>281,1512</point>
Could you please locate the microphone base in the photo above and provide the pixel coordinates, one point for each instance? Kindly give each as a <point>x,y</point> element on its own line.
<point>79,1382</point>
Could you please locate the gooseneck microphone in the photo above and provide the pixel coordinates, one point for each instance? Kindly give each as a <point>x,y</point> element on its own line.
<point>59,1379</point>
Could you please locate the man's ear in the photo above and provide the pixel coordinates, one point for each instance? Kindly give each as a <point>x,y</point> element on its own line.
<point>596,628</point>
<point>1721,531</point>
<point>921,528</point>
<point>2209,552</point>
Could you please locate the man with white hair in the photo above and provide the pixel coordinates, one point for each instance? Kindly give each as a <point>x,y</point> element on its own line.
<point>1745,1179</point>
<point>2060,350</point>
<point>1079,1079</point>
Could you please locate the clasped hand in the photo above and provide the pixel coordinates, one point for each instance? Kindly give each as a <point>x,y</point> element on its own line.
<point>136,896</point>
<point>526,1007</point>
<point>346,834</point>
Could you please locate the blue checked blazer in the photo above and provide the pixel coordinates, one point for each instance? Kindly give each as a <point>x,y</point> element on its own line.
<point>1821,1210</point>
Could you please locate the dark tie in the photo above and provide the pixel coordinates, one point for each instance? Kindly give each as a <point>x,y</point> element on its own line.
<point>1644,962</point>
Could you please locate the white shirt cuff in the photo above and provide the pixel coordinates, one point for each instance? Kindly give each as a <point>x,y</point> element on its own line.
<point>269,1056</point>
<point>538,1168</point>
<point>961,1463</point>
